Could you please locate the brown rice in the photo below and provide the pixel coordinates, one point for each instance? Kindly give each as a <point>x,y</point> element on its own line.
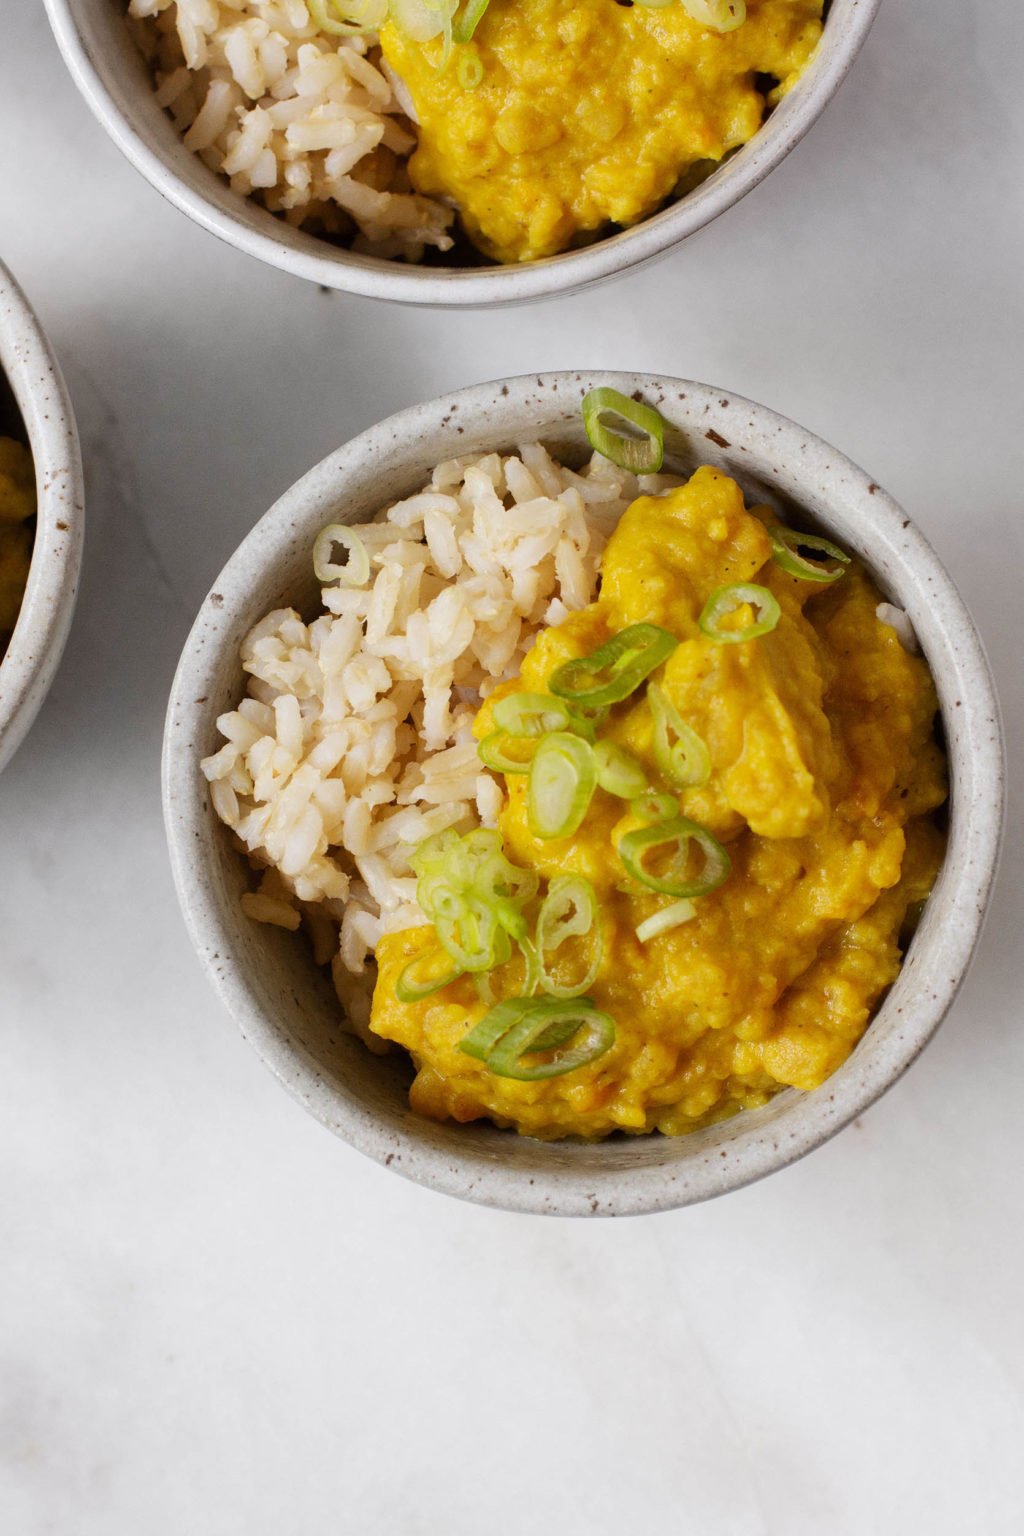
<point>308,124</point>
<point>354,742</point>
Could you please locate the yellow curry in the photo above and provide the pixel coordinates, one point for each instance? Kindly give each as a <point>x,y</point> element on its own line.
<point>823,772</point>
<point>575,114</point>
<point>17,506</point>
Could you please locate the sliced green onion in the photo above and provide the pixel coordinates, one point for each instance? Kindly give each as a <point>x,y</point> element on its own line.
<point>356,570</point>
<point>469,69</point>
<point>505,753</point>
<point>569,911</point>
<point>473,895</point>
<point>686,761</point>
<point>420,20</point>
<point>473,938</point>
<point>426,974</point>
<point>643,454</point>
<point>526,1026</point>
<point>563,777</point>
<point>484,1036</point>
<point>675,836</point>
<point>530,714</point>
<point>726,600</point>
<point>787,547</point>
<point>652,807</point>
<point>669,917</point>
<point>619,772</point>
<point>468,20</point>
<point>616,669</point>
<point>347,18</point>
<point>720,15</point>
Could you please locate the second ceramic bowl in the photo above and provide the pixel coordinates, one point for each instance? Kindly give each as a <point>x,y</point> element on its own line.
<point>40,398</point>
<point>114,80</point>
<point>287,1008</point>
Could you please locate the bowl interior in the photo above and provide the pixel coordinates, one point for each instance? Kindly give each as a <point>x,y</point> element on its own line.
<point>115,79</point>
<point>288,1008</point>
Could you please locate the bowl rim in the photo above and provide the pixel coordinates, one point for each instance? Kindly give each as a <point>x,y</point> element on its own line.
<point>44,619</point>
<point>748,1150</point>
<point>200,193</point>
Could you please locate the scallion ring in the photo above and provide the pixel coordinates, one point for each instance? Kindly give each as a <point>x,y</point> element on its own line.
<point>563,777</point>
<point>643,454</point>
<point>726,600</point>
<point>350,17</point>
<point>524,1027</point>
<point>675,837</point>
<point>720,15</point>
<point>474,939</point>
<point>651,807</point>
<point>619,772</point>
<point>672,916</point>
<point>426,974</point>
<point>787,547</point>
<point>505,753</point>
<point>484,1036</point>
<point>468,20</point>
<point>685,760</point>
<point>530,714</point>
<point>568,911</point>
<point>356,570</point>
<point>615,670</point>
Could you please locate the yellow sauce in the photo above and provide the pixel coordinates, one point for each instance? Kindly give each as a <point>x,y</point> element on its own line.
<point>17,505</point>
<point>825,772</point>
<point>590,112</point>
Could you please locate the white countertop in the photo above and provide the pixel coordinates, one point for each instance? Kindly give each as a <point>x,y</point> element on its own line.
<point>215,1318</point>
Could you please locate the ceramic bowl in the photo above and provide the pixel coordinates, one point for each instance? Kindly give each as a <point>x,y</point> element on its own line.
<point>267,978</point>
<point>115,82</point>
<point>36,391</point>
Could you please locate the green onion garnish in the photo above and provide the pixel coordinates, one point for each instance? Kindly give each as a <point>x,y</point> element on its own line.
<point>685,761</point>
<point>356,570</point>
<point>473,895</point>
<point>672,916</point>
<point>473,937</point>
<point>726,600</point>
<point>787,552</point>
<point>569,910</point>
<point>484,1036</point>
<point>619,772</point>
<point>348,18</point>
<point>426,974</point>
<point>527,1026</point>
<point>563,777</point>
<point>530,714</point>
<point>651,807</point>
<point>506,753</point>
<point>467,22</point>
<point>643,454</point>
<point>720,15</point>
<point>469,69</point>
<point>615,670</point>
<point>675,837</point>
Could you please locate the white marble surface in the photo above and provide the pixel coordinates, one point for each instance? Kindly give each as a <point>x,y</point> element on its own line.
<point>216,1319</point>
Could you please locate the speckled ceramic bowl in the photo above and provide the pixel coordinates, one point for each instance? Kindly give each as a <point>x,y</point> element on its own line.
<point>115,83</point>
<point>286,1007</point>
<point>40,396</point>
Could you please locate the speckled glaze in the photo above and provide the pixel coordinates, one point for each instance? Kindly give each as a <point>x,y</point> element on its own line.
<point>285,1006</point>
<point>115,83</point>
<point>32,371</point>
